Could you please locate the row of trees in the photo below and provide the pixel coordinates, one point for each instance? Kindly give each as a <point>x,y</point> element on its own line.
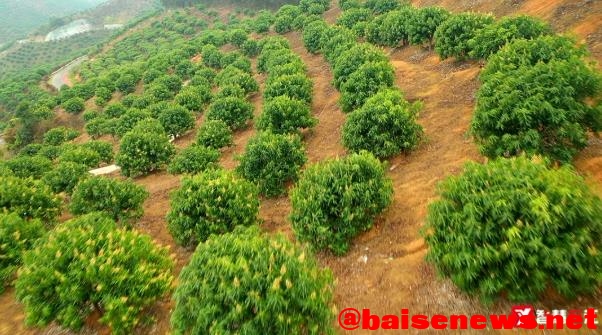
<point>381,120</point>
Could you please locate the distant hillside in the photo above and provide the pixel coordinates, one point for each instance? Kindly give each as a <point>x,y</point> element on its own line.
<point>20,17</point>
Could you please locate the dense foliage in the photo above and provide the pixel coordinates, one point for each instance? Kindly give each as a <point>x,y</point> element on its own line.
<point>368,79</point>
<point>16,236</point>
<point>64,176</point>
<point>120,200</point>
<point>535,99</point>
<point>385,125</point>
<point>337,199</point>
<point>176,120</point>
<point>272,160</point>
<point>248,283</point>
<point>295,86</point>
<point>29,199</point>
<point>283,115</point>
<point>452,38</point>
<point>510,219</point>
<point>144,149</point>
<point>491,38</point>
<point>194,159</point>
<point>213,202</point>
<point>235,112</point>
<point>117,272</point>
<point>60,135</point>
<point>214,134</point>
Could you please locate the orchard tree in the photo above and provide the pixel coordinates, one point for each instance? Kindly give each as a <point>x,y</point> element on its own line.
<point>235,112</point>
<point>103,149</point>
<point>520,219</point>
<point>128,121</point>
<point>120,200</point>
<point>234,76</point>
<point>535,99</point>
<point>385,125</point>
<point>115,110</point>
<point>364,83</point>
<point>423,24</point>
<point>214,134</point>
<point>80,155</point>
<point>194,159</point>
<point>60,135</point>
<point>248,277</point>
<point>194,98</point>
<point>231,90</point>
<point>382,6</point>
<point>29,166</point>
<point>66,285</point>
<point>144,149</point>
<point>64,176</point>
<point>352,17</point>
<point>337,199</point>
<point>283,115</point>
<point>212,202</point>
<point>212,57</point>
<point>312,36</point>
<point>30,199</point>
<point>352,59</point>
<point>74,105</point>
<point>271,161</point>
<point>453,35</point>
<point>296,86</point>
<point>176,120</point>
<point>16,236</point>
<point>492,38</point>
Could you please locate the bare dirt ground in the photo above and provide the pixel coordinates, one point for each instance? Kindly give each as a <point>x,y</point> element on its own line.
<point>385,268</point>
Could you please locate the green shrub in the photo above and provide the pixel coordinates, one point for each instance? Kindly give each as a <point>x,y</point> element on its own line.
<point>194,98</point>
<point>176,120</point>
<point>350,18</point>
<point>126,83</point>
<point>235,112</point>
<point>385,125</point>
<point>60,135</point>
<point>336,41</point>
<point>194,159</point>
<point>230,91</point>
<point>337,199</point>
<point>423,24</point>
<point>117,272</point>
<point>297,67</point>
<point>270,286</point>
<point>64,176</point>
<point>364,83</point>
<point>104,150</point>
<point>128,121</point>
<point>16,236</point>
<point>382,6</point>
<point>74,105</point>
<point>296,86</point>
<point>233,76</point>
<point>519,219</point>
<point>80,155</point>
<point>214,134</point>
<point>29,199</point>
<point>537,101</point>
<point>144,149</point>
<point>453,35</point>
<point>171,82</point>
<point>238,37</point>
<point>212,57</point>
<point>271,161</point>
<point>312,36</point>
<point>29,166</point>
<point>103,95</point>
<point>115,110</point>
<point>98,127</point>
<point>314,6</point>
<point>492,38</point>
<point>394,27</point>
<point>283,24</point>
<point>120,200</point>
<point>213,202</point>
<point>250,48</point>
<point>352,59</point>
<point>283,115</point>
